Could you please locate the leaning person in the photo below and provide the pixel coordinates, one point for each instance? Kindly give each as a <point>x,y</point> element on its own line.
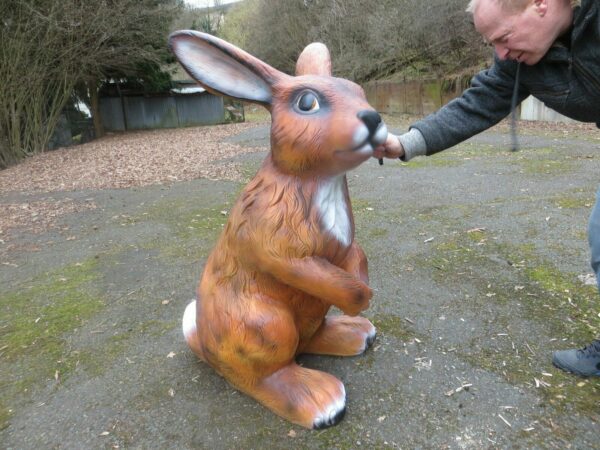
<point>546,48</point>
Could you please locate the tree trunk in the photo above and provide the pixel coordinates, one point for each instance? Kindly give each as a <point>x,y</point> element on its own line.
<point>95,105</point>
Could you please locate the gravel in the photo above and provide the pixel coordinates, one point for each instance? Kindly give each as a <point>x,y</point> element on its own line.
<point>116,161</point>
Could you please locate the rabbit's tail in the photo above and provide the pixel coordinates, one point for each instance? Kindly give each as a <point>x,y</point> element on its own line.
<point>190,331</point>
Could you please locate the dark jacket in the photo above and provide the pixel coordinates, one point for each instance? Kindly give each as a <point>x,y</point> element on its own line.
<point>566,79</point>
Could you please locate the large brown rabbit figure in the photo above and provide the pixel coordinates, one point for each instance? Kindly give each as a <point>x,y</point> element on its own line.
<point>287,253</point>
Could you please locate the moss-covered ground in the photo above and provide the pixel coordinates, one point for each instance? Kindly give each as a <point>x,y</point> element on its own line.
<point>475,257</point>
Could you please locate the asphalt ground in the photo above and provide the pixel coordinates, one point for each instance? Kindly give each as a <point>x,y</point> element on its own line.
<point>476,257</point>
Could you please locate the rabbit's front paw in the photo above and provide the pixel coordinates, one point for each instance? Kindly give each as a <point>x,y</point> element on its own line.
<point>360,301</point>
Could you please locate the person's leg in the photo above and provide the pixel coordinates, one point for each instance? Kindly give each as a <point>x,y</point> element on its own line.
<point>586,361</point>
<point>594,238</point>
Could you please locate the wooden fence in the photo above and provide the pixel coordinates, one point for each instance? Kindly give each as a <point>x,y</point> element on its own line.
<point>414,97</point>
<point>424,97</point>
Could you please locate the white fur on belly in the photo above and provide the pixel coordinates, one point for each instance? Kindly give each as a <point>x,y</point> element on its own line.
<point>333,209</point>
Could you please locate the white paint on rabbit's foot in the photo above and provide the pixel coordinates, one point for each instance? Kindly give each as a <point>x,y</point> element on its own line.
<point>189,321</point>
<point>333,208</point>
<point>370,339</point>
<point>332,414</point>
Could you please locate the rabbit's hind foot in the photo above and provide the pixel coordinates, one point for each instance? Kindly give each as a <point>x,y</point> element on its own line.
<point>332,416</point>
<point>342,336</point>
<point>189,329</point>
<point>307,397</point>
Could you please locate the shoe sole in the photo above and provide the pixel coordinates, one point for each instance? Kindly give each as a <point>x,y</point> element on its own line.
<point>575,372</point>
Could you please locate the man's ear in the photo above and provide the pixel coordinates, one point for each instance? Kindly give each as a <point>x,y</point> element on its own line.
<point>541,7</point>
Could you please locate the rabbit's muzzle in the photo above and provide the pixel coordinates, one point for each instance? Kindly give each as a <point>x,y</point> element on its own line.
<point>376,130</point>
<point>371,119</point>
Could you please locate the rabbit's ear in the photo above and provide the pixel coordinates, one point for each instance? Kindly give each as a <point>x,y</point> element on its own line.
<point>223,68</point>
<point>314,60</point>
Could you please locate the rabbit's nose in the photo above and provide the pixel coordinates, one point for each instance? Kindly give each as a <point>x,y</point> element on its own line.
<point>371,119</point>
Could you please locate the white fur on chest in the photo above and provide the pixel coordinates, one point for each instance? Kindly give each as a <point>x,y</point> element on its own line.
<point>333,209</point>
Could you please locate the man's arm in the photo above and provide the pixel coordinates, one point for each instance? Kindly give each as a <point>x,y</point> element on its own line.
<point>481,106</point>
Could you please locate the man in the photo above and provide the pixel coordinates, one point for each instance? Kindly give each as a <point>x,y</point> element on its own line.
<point>546,48</point>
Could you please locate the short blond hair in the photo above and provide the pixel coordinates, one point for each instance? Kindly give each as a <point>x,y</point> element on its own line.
<point>512,5</point>
<point>509,5</point>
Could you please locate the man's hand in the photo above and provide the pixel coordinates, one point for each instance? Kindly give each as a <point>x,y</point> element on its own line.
<point>391,148</point>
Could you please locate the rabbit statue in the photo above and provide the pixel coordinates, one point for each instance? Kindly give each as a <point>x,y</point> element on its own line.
<point>287,253</point>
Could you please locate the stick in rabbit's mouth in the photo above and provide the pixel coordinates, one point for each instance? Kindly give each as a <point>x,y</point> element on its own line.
<point>382,128</point>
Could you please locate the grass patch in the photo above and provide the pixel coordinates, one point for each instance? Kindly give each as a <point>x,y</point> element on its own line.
<point>475,151</point>
<point>529,296</point>
<point>202,224</point>
<point>432,161</point>
<point>97,361</point>
<point>377,233</point>
<point>116,346</point>
<point>33,324</point>
<point>248,170</point>
<point>361,206</point>
<point>256,114</point>
<point>346,436</point>
<point>5,415</point>
<point>392,325</point>
<point>573,202</point>
<point>194,231</point>
<point>37,315</point>
<point>545,166</point>
<point>156,328</point>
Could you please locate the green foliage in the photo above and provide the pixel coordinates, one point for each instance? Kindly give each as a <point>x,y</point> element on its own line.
<point>237,28</point>
<point>367,39</point>
<point>150,78</point>
<point>203,24</point>
<point>208,19</point>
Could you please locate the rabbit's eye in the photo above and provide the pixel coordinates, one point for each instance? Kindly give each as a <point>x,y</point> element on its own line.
<point>308,102</point>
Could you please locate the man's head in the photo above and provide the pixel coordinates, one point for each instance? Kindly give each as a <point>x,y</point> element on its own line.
<point>522,30</point>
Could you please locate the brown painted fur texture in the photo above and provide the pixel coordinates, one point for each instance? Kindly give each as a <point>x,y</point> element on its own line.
<point>287,253</point>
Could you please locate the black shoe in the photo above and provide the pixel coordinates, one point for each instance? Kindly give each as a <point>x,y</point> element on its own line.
<point>584,362</point>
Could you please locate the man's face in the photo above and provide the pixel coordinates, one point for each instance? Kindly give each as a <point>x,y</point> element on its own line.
<point>523,36</point>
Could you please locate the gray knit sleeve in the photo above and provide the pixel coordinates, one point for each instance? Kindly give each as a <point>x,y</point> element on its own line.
<point>413,143</point>
<point>484,104</point>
